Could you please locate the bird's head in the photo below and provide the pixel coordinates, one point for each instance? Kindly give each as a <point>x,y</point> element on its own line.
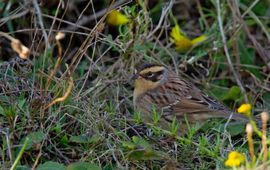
<point>149,76</point>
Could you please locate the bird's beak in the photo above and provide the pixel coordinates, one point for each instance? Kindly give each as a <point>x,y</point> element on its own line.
<point>135,76</point>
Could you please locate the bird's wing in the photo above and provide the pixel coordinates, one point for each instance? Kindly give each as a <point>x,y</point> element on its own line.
<point>196,105</point>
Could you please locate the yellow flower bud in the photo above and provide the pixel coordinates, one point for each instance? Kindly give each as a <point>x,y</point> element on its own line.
<point>245,109</point>
<point>182,42</point>
<point>198,39</point>
<point>115,18</point>
<point>235,159</point>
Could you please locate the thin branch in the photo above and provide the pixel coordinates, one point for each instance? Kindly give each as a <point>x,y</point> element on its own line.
<point>239,83</point>
<point>163,15</point>
<point>250,8</point>
<point>61,2</point>
<point>11,17</point>
<point>87,19</point>
<point>40,20</point>
<point>261,51</point>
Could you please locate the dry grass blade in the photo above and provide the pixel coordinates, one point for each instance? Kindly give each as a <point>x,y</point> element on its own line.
<point>264,117</point>
<point>63,98</point>
<point>83,113</point>
<point>58,37</point>
<point>249,131</point>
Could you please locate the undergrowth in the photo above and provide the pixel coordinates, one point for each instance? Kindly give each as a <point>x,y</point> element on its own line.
<point>69,104</point>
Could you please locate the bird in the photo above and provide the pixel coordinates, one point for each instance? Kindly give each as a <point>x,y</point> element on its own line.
<point>159,89</point>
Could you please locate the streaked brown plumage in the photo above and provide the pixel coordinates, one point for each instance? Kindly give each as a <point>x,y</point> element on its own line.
<point>159,88</point>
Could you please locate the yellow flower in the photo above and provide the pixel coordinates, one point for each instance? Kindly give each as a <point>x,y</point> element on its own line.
<point>244,109</point>
<point>182,42</point>
<point>115,18</point>
<point>234,159</point>
<point>198,39</point>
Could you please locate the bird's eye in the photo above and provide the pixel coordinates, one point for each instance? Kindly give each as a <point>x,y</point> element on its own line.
<point>150,75</point>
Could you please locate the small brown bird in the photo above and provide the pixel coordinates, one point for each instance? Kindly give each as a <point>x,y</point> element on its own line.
<point>159,88</point>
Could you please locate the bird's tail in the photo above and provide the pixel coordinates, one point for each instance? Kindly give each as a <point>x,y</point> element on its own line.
<point>245,119</point>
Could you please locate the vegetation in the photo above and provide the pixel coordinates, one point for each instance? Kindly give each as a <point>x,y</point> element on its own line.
<point>66,92</point>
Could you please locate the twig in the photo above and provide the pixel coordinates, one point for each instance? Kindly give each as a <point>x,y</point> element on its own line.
<point>202,14</point>
<point>87,19</point>
<point>250,8</point>
<point>171,55</point>
<point>163,15</point>
<point>40,20</point>
<point>227,51</point>
<point>262,53</point>
<point>259,83</point>
<point>90,69</point>
<point>76,26</point>
<point>61,2</point>
<point>9,18</point>
<point>7,36</point>
<point>257,19</point>
<point>93,34</point>
<point>37,158</point>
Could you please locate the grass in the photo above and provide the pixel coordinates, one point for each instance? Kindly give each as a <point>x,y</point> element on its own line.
<point>69,105</point>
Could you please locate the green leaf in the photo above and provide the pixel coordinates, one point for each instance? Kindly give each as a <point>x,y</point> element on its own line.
<point>34,138</point>
<point>233,94</point>
<point>210,125</point>
<point>21,103</point>
<point>109,167</point>
<point>140,149</point>
<point>247,57</point>
<point>10,111</point>
<point>140,48</point>
<point>217,92</point>
<point>233,128</point>
<point>155,116</point>
<point>64,140</point>
<point>23,167</point>
<point>137,117</point>
<point>57,128</point>
<point>174,126</point>
<point>4,99</point>
<point>51,165</point>
<point>83,166</point>
<point>261,8</point>
<point>266,98</point>
<point>140,142</point>
<point>2,111</point>
<point>129,145</point>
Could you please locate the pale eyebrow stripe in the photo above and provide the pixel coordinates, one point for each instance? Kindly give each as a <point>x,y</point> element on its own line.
<point>152,69</point>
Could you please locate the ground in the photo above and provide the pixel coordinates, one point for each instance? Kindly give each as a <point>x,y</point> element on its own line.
<point>66,88</point>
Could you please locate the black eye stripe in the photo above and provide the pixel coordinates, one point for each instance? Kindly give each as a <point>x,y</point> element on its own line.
<point>153,76</point>
<point>155,73</point>
<point>149,73</point>
<point>159,73</point>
